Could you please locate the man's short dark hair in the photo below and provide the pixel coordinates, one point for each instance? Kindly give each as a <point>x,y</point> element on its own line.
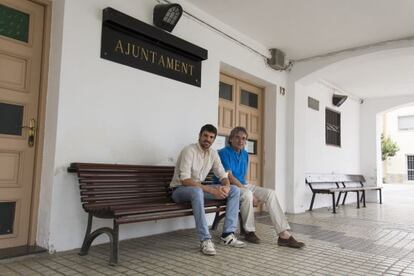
<point>236,130</point>
<point>208,128</point>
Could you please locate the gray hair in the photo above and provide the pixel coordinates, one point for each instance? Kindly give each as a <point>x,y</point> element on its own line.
<point>235,131</point>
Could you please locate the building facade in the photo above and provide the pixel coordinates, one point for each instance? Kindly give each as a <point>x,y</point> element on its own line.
<point>399,126</point>
<point>74,106</point>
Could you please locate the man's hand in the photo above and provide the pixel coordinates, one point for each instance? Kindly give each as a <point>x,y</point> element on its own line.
<point>226,189</point>
<point>220,192</point>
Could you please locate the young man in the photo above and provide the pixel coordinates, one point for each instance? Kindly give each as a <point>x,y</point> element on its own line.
<point>235,160</point>
<point>193,164</point>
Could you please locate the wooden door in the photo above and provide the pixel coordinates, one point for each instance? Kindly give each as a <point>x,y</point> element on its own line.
<point>21,35</point>
<point>240,104</point>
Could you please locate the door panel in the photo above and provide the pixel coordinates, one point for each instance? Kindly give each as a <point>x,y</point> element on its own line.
<point>227,109</point>
<point>227,117</point>
<point>13,72</point>
<point>10,163</point>
<point>21,35</point>
<point>255,124</point>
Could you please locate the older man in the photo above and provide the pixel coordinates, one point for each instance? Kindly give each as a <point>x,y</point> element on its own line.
<point>235,160</point>
<point>193,165</point>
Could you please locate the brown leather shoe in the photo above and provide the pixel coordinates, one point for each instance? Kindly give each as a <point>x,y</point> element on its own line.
<point>291,242</point>
<point>251,237</point>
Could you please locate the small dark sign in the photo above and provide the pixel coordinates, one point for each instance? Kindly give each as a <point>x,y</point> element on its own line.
<point>131,42</point>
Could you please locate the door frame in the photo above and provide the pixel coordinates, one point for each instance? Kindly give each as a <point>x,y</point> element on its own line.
<point>262,114</point>
<point>34,210</point>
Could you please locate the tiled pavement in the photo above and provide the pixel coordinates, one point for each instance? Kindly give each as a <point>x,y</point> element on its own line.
<point>377,240</point>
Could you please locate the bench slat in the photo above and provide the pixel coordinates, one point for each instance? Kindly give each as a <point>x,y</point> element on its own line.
<point>141,191</point>
<point>123,174</point>
<point>170,214</point>
<point>124,180</point>
<point>140,209</point>
<point>102,204</point>
<point>121,186</point>
<point>121,196</point>
<point>331,178</point>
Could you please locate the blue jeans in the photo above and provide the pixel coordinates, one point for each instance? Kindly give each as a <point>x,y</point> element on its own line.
<point>196,196</point>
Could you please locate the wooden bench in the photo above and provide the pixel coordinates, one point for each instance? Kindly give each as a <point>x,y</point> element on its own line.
<point>128,194</point>
<point>341,184</point>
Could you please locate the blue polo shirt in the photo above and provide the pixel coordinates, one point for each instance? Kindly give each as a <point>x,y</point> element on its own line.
<point>236,162</point>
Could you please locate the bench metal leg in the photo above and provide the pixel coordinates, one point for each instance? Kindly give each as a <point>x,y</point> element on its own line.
<point>364,198</point>
<point>338,199</point>
<point>333,203</point>
<point>380,195</point>
<point>313,199</point>
<point>343,201</point>
<point>242,231</point>
<point>113,259</point>
<point>357,193</point>
<point>90,237</point>
<point>217,219</point>
<point>85,247</point>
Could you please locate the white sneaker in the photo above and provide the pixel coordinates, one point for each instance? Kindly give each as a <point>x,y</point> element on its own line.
<point>207,248</point>
<point>233,241</point>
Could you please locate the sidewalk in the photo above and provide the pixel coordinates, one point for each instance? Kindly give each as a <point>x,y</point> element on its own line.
<point>376,240</point>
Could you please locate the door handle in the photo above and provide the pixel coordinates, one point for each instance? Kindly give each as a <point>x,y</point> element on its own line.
<point>31,132</point>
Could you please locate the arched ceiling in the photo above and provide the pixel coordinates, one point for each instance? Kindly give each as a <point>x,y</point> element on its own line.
<point>307,28</point>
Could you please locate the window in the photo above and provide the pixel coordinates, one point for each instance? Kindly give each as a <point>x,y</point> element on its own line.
<point>406,122</point>
<point>249,99</point>
<point>225,91</point>
<point>14,23</point>
<point>11,119</point>
<point>410,167</point>
<point>333,127</point>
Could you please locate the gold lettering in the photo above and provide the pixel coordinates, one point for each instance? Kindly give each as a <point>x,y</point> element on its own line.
<point>135,53</point>
<point>129,49</point>
<point>144,53</point>
<point>119,46</point>
<point>184,68</point>
<point>153,54</point>
<point>177,64</point>
<point>161,61</point>
<point>191,69</point>
<point>170,63</point>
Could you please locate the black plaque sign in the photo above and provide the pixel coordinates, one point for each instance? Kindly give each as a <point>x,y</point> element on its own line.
<point>131,42</point>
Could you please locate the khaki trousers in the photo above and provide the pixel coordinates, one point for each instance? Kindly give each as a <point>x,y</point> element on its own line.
<point>268,197</point>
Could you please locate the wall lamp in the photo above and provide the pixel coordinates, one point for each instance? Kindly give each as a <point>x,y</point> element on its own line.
<point>166,16</point>
<point>338,100</point>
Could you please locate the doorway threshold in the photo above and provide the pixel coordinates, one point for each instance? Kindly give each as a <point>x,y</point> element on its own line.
<point>19,251</point>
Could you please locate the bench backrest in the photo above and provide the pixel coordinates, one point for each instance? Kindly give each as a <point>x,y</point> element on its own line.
<point>112,184</point>
<point>333,178</point>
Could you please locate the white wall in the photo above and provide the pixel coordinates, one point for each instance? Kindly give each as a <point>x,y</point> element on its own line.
<point>322,158</point>
<point>396,166</point>
<point>319,157</point>
<point>108,112</point>
<point>52,102</point>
